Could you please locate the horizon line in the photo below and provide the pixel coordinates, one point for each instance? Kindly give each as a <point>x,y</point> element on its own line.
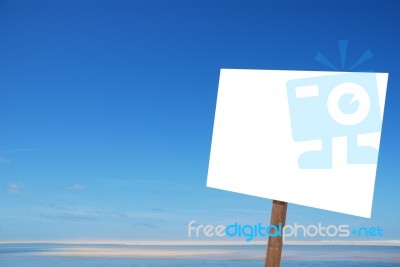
<point>203,242</point>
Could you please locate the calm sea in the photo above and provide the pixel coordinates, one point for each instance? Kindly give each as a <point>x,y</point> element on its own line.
<point>34,255</point>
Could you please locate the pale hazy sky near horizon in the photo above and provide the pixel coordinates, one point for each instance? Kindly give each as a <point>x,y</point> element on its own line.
<point>107,109</point>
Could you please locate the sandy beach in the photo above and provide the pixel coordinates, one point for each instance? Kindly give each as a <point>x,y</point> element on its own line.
<point>135,252</point>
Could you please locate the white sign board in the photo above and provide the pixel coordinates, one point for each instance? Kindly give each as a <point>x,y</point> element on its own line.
<point>304,137</point>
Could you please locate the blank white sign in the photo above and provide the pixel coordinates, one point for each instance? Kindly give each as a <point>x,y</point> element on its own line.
<point>268,121</point>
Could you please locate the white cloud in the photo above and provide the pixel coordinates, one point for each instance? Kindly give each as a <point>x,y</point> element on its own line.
<point>15,188</point>
<point>4,161</point>
<point>75,187</point>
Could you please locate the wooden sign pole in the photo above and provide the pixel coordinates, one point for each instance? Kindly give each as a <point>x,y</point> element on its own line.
<point>274,250</point>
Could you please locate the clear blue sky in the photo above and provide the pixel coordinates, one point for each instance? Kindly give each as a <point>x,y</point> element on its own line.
<point>107,108</point>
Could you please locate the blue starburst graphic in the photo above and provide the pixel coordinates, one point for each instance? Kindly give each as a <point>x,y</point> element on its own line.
<point>343,44</point>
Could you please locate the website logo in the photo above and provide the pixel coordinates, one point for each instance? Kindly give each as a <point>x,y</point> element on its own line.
<point>249,232</point>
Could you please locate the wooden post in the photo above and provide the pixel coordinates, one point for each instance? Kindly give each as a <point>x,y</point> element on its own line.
<point>274,250</point>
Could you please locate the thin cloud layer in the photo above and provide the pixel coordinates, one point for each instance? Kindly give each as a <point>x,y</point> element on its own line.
<point>15,188</point>
<point>75,187</point>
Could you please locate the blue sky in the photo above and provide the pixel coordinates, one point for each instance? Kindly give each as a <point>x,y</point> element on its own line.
<point>107,109</point>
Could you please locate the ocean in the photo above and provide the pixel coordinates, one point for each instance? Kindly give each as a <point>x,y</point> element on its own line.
<point>59,255</point>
